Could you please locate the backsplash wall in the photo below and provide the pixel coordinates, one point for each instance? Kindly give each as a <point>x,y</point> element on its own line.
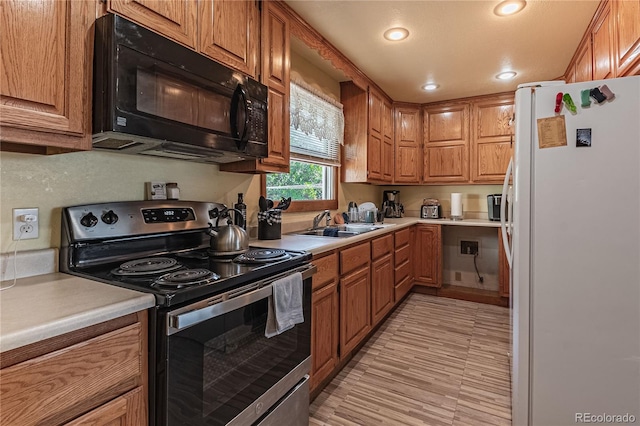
<point>474,198</point>
<point>55,181</point>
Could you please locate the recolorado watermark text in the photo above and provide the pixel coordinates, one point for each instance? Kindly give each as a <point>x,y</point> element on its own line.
<point>604,418</point>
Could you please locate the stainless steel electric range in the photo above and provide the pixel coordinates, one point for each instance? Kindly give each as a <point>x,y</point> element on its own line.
<point>209,362</point>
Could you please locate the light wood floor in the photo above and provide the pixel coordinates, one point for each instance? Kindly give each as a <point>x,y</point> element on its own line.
<point>435,361</point>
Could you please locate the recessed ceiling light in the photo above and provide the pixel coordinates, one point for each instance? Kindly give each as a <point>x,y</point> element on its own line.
<point>430,86</point>
<point>507,75</point>
<point>396,34</point>
<point>509,7</point>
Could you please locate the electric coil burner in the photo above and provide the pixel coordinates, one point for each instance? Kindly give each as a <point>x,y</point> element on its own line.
<point>210,362</point>
<point>186,277</point>
<point>262,255</point>
<point>146,266</point>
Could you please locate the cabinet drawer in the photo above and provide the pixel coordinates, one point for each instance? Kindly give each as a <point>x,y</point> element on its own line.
<point>402,255</point>
<point>402,271</point>
<point>402,237</point>
<point>381,246</point>
<point>402,289</point>
<point>354,257</point>
<point>59,386</point>
<point>128,409</point>
<point>327,270</point>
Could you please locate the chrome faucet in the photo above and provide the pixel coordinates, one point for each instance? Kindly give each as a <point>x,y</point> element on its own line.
<point>318,218</point>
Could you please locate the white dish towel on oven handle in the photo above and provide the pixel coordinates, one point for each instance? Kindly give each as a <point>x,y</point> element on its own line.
<point>285,305</point>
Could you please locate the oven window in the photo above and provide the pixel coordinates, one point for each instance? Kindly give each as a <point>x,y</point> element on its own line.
<point>163,96</point>
<point>220,367</point>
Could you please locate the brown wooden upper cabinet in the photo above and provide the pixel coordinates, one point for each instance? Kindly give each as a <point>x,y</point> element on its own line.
<point>227,31</point>
<point>408,144</point>
<point>173,19</point>
<point>387,141</point>
<point>44,78</point>
<point>602,45</point>
<point>367,135</point>
<point>492,138</point>
<point>627,36</point>
<point>275,73</point>
<point>611,45</point>
<point>446,143</point>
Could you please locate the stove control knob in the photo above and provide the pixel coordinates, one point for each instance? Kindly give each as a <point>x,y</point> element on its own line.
<point>109,217</point>
<point>89,220</point>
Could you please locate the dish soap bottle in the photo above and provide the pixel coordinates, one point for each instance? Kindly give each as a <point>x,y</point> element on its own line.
<point>242,207</point>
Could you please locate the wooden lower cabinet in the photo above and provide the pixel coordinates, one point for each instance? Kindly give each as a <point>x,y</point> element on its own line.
<point>96,375</point>
<point>382,282</point>
<point>403,263</point>
<point>355,308</point>
<point>325,317</point>
<point>428,251</point>
<point>355,296</point>
<point>125,410</point>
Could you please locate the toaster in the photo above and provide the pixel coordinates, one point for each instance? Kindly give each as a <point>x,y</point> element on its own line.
<point>431,212</point>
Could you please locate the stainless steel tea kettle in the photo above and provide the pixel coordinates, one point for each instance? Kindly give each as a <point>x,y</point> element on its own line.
<point>228,239</point>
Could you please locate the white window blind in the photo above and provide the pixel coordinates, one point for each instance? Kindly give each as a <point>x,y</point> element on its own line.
<point>317,126</point>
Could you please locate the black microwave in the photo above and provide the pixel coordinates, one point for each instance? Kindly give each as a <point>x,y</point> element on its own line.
<point>156,97</point>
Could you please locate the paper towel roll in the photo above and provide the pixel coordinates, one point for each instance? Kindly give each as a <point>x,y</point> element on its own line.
<point>456,205</point>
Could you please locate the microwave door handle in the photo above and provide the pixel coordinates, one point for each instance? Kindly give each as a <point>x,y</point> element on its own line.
<point>240,100</point>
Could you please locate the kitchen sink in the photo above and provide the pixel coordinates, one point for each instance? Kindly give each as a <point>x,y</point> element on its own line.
<point>340,231</point>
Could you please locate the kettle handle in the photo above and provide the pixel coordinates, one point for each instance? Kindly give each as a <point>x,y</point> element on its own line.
<point>229,221</point>
<point>217,214</point>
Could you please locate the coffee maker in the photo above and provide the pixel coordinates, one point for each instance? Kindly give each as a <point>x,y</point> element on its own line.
<point>391,206</point>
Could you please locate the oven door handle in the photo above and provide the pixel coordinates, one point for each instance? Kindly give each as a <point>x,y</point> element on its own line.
<point>227,302</point>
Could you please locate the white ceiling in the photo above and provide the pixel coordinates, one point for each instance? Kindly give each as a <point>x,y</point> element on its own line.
<point>460,45</point>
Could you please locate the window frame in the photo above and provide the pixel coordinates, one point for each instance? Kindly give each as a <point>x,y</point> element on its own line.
<point>308,205</point>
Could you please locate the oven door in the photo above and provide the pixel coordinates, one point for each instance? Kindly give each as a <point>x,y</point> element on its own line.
<point>220,367</point>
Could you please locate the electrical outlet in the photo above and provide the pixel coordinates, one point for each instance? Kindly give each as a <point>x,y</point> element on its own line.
<point>469,247</point>
<point>458,276</point>
<point>25,222</point>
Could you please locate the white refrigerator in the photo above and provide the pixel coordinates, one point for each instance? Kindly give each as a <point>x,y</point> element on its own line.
<point>575,254</point>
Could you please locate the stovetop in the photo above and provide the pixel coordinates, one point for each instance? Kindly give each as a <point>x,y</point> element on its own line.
<point>212,275</point>
<point>161,247</point>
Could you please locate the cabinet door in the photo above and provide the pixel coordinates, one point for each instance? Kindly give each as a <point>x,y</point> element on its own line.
<point>174,19</point>
<point>584,70</point>
<point>627,25</point>
<point>428,256</point>
<point>324,332</point>
<point>446,143</point>
<point>603,45</point>
<point>63,384</point>
<point>126,410</point>
<point>408,153</point>
<point>228,33</point>
<point>382,288</point>
<point>503,268</point>
<point>387,143</point>
<point>374,149</point>
<point>492,136</point>
<point>355,309</point>
<point>45,51</point>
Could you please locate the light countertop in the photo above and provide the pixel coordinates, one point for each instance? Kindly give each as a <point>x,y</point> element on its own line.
<point>49,305</point>
<point>318,245</point>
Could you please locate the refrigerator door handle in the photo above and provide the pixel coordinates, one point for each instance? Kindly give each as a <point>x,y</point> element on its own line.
<point>506,230</point>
